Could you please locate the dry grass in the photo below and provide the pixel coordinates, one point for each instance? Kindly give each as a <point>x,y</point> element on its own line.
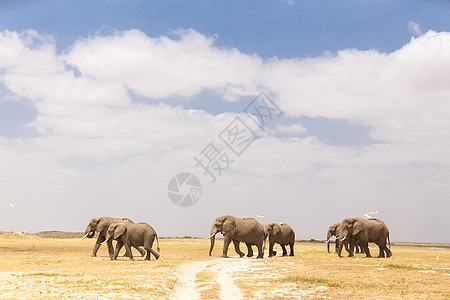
<point>207,284</point>
<point>413,272</point>
<point>33,267</point>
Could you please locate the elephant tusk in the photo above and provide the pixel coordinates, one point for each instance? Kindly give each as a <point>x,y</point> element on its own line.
<point>104,242</point>
<point>210,236</point>
<point>329,240</point>
<point>344,238</point>
<point>85,236</point>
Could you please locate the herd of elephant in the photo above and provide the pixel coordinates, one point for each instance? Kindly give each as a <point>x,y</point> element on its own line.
<point>358,232</point>
<point>351,233</point>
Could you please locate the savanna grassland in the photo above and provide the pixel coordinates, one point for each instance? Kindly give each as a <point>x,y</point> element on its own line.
<point>34,267</point>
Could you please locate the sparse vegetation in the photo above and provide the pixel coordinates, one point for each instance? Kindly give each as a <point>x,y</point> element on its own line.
<point>34,267</point>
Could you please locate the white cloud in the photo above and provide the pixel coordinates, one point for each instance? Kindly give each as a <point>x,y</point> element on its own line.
<point>291,129</point>
<point>414,28</point>
<point>96,142</point>
<point>161,67</point>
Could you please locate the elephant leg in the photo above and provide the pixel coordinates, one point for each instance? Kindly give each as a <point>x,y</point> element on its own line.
<point>284,249</point>
<point>291,245</point>
<point>141,250</point>
<point>236,248</point>
<point>126,254</point>
<point>271,252</point>
<point>349,249</point>
<point>357,249</point>
<point>352,242</point>
<point>381,253</point>
<point>226,244</point>
<point>148,246</point>
<point>388,251</point>
<point>346,247</point>
<point>118,247</point>
<point>260,250</point>
<point>366,249</point>
<point>97,245</point>
<point>128,248</point>
<point>249,249</point>
<point>110,248</point>
<point>155,253</point>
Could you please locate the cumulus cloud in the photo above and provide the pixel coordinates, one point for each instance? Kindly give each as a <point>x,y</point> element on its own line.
<point>161,67</point>
<point>94,140</point>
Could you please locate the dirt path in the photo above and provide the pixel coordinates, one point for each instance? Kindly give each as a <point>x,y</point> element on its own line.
<point>223,268</point>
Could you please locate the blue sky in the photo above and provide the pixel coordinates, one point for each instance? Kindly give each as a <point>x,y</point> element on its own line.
<point>268,28</point>
<point>102,101</point>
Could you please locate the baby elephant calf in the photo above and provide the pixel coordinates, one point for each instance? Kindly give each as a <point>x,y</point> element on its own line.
<point>140,234</point>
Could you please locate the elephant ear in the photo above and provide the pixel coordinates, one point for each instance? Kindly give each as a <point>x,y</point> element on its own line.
<point>358,226</point>
<point>120,229</point>
<point>266,228</point>
<point>102,225</point>
<point>276,229</point>
<point>228,225</point>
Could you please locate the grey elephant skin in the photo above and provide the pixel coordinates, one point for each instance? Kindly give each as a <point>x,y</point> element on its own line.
<point>282,234</point>
<point>100,225</point>
<point>236,230</point>
<point>332,231</point>
<point>364,231</point>
<point>128,235</point>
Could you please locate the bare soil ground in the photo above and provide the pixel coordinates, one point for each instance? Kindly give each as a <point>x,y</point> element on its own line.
<point>60,268</point>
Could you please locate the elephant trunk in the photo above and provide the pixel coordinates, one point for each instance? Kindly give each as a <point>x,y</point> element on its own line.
<point>89,233</point>
<point>340,248</point>
<point>213,240</point>
<point>328,241</point>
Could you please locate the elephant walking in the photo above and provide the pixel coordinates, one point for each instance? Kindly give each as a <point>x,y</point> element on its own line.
<point>282,234</point>
<point>140,234</point>
<point>248,231</point>
<point>332,231</point>
<point>100,225</point>
<point>361,230</point>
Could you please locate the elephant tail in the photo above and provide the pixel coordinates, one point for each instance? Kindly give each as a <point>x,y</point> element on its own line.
<point>157,244</point>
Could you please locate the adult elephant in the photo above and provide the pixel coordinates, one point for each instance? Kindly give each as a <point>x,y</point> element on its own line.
<point>248,231</point>
<point>100,225</point>
<point>282,234</point>
<point>364,231</point>
<point>140,234</point>
<point>332,231</point>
